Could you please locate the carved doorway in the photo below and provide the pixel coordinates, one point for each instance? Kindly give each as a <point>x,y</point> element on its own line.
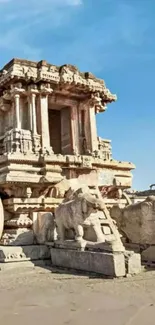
<point>60,130</point>
<point>55,130</point>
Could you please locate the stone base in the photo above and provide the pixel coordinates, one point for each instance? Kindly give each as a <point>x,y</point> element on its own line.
<point>107,264</point>
<point>23,253</point>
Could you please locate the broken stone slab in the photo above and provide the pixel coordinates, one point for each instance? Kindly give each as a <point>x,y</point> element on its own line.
<point>107,264</point>
<point>23,253</point>
<point>18,237</point>
<point>132,262</point>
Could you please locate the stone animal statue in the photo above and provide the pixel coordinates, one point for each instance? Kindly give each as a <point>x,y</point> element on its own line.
<point>78,212</point>
<point>137,221</point>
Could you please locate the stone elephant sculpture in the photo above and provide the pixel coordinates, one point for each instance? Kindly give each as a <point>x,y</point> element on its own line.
<point>78,212</point>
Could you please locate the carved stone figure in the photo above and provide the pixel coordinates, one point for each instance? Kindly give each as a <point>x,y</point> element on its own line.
<point>78,212</point>
<point>137,221</point>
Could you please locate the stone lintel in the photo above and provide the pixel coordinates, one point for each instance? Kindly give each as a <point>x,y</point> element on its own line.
<point>31,204</point>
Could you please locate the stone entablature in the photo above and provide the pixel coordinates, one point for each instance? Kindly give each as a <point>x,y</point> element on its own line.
<point>66,76</point>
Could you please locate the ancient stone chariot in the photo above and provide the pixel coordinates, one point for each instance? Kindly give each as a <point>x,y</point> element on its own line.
<point>48,141</point>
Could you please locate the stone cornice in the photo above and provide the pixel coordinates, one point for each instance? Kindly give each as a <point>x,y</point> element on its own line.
<point>68,161</point>
<point>66,76</point>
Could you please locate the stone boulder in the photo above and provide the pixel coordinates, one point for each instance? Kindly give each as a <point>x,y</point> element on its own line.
<point>137,221</point>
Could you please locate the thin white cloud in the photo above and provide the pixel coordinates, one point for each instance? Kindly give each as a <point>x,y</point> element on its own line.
<point>117,38</point>
<point>19,18</point>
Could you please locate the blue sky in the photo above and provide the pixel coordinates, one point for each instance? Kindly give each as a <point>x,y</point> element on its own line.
<point>113,39</point>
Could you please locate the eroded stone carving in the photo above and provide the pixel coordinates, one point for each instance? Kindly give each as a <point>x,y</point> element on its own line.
<point>75,213</point>
<point>86,215</point>
<point>44,227</point>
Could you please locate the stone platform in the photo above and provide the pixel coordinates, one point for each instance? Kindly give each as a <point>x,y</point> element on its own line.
<point>101,263</point>
<point>116,264</point>
<point>23,253</point>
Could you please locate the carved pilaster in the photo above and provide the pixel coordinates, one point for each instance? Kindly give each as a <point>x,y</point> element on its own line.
<point>74,130</point>
<point>90,126</point>
<point>32,92</point>
<point>17,112</point>
<point>45,90</point>
<point>16,91</point>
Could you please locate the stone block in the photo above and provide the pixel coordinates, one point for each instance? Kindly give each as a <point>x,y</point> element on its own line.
<point>133,263</point>
<point>101,263</point>
<point>148,255</point>
<point>23,253</point>
<point>17,237</point>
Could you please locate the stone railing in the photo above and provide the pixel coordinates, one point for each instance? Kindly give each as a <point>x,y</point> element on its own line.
<point>20,141</point>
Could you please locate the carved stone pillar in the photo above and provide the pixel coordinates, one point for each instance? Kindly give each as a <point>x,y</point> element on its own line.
<point>74,130</point>
<point>90,129</point>
<point>30,112</point>
<point>34,123</point>
<point>44,122</point>
<point>16,91</point>
<point>93,129</point>
<point>92,106</point>
<point>17,111</point>
<point>33,91</point>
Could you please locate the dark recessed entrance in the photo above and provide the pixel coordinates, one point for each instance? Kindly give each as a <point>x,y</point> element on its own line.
<point>60,130</point>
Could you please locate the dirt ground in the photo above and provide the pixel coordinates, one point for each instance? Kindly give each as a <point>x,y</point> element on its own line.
<point>35,295</point>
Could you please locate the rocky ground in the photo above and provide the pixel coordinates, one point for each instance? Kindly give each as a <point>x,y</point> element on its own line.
<point>37,295</point>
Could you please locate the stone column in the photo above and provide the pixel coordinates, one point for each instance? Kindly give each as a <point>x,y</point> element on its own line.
<point>17,111</point>
<point>90,126</point>
<point>16,91</point>
<point>74,130</point>
<point>34,123</point>
<point>93,128</point>
<point>44,122</point>
<point>33,91</point>
<point>30,112</point>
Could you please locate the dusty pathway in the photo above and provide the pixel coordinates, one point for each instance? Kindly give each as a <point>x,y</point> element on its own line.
<point>38,296</point>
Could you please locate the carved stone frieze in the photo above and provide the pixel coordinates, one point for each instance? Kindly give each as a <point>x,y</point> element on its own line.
<point>18,141</point>
<point>66,75</point>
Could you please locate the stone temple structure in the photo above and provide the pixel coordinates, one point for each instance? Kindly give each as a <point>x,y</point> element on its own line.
<point>48,137</point>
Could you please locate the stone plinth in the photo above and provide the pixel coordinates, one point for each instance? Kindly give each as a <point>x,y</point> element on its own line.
<point>23,253</point>
<point>98,262</point>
